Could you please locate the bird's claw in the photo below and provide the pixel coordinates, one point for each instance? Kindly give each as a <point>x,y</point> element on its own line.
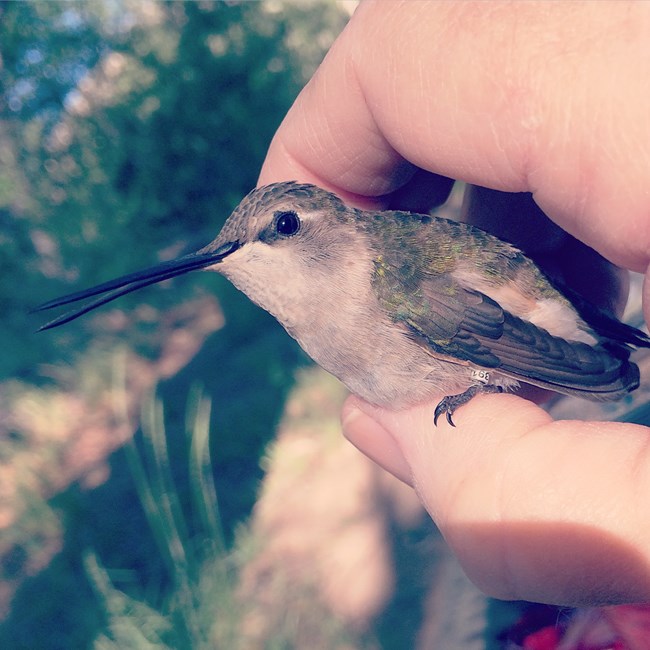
<point>447,407</point>
<point>450,403</point>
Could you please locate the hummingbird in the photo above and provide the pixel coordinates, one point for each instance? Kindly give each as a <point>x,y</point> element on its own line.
<point>402,307</point>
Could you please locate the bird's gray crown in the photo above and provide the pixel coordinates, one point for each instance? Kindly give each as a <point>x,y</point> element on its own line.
<point>268,199</point>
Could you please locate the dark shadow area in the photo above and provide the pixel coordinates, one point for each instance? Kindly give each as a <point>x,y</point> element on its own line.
<point>414,552</point>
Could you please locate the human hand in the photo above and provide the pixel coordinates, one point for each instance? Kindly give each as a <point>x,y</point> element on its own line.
<point>528,97</point>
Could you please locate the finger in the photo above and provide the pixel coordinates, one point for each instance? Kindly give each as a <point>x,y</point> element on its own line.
<point>509,96</point>
<point>534,509</point>
<point>374,441</point>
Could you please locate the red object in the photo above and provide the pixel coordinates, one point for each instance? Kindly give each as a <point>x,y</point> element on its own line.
<point>547,638</point>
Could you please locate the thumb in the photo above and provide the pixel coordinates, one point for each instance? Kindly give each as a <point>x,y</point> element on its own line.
<point>534,509</point>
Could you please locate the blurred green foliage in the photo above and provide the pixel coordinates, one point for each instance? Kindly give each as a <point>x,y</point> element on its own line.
<point>128,128</point>
<point>128,132</point>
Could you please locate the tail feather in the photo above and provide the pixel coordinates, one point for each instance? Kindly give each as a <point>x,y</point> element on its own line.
<point>608,327</point>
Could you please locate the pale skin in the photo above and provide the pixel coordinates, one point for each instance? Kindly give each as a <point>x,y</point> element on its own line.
<point>548,98</point>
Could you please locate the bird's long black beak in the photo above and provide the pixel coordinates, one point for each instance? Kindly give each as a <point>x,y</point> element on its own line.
<point>108,291</point>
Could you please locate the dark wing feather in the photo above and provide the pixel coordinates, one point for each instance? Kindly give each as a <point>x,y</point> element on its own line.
<point>452,322</point>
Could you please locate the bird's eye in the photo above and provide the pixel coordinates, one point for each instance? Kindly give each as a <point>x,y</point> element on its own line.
<point>287,223</point>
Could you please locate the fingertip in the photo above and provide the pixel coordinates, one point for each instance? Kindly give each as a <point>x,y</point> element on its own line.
<point>372,439</point>
<point>445,461</point>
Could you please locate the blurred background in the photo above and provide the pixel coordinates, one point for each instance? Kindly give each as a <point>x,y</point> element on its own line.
<point>172,473</point>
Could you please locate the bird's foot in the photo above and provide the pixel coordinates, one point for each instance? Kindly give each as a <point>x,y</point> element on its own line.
<point>449,404</point>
